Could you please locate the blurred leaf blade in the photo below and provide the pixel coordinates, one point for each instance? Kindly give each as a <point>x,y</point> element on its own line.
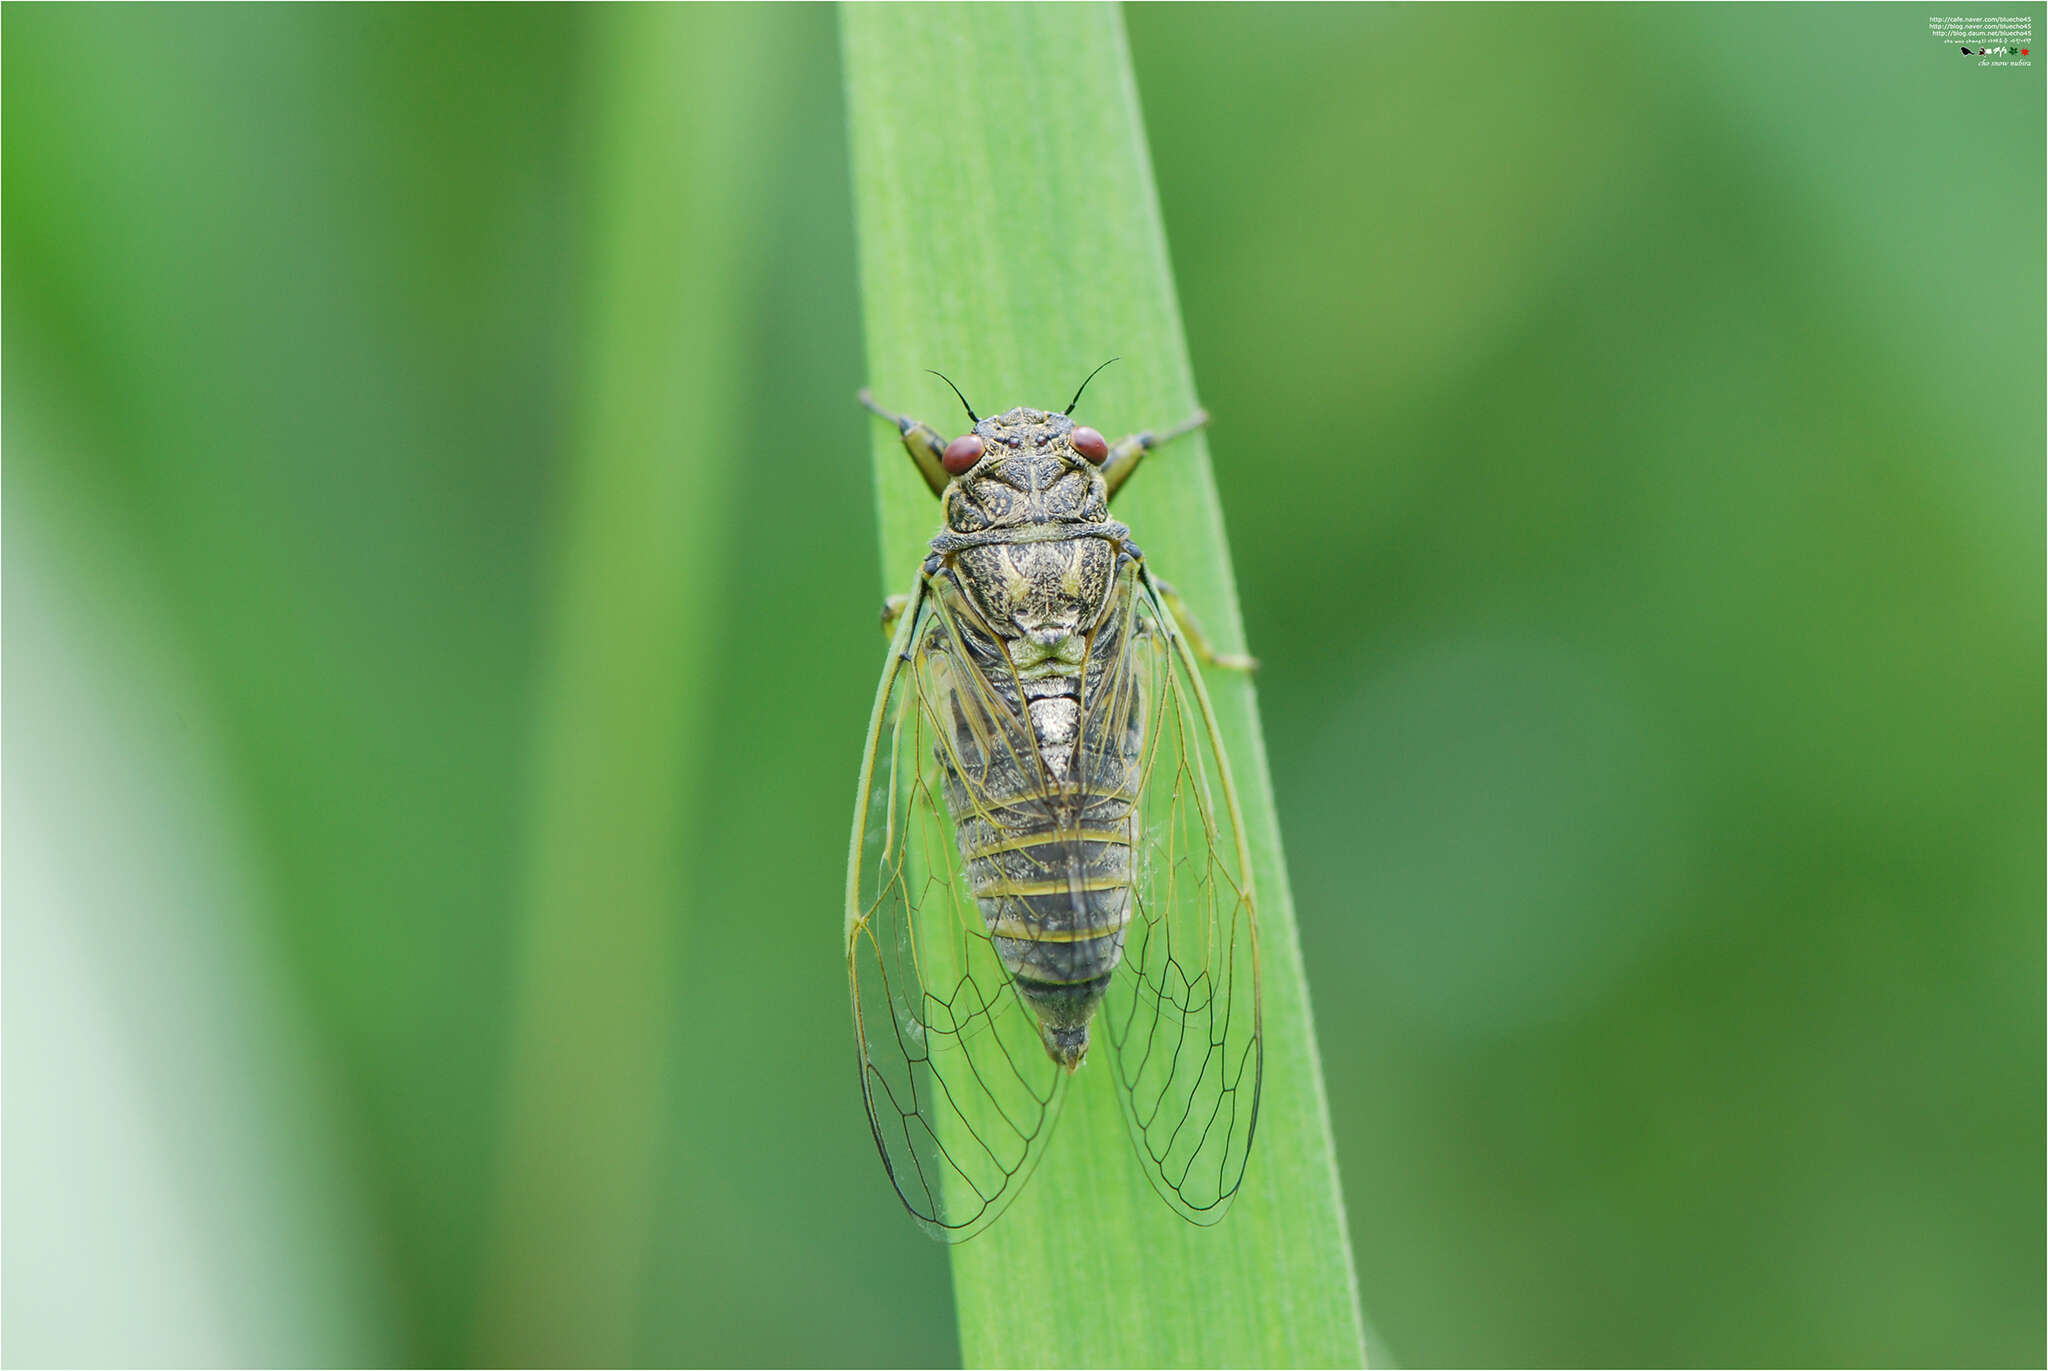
<point>1015,246</point>
<point>622,712</point>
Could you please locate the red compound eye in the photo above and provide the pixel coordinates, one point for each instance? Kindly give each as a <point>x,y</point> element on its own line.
<point>962,453</point>
<point>1090,444</point>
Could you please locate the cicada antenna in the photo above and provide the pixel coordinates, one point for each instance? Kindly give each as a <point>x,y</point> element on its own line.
<point>1084,385</point>
<point>972,417</point>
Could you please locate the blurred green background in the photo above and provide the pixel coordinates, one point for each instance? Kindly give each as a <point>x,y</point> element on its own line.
<point>1630,423</point>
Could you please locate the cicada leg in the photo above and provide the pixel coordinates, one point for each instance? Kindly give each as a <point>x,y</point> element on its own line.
<point>1123,459</point>
<point>1126,453</point>
<point>892,610</point>
<point>920,440</point>
<point>1198,641</point>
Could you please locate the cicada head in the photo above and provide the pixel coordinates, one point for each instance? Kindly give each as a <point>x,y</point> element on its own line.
<point>1025,466</point>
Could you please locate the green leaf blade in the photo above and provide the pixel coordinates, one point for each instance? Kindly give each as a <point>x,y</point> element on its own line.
<point>1010,237</point>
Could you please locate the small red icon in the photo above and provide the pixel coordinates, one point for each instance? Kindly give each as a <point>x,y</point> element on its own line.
<point>2023,52</point>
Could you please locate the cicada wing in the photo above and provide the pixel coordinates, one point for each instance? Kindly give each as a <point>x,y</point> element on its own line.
<point>959,1089</point>
<point>1182,1014</point>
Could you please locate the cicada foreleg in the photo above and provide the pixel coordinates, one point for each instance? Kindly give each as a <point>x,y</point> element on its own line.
<point>920,440</point>
<point>1126,453</point>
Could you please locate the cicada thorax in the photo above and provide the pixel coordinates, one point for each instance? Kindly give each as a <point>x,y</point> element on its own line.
<point>1044,799</point>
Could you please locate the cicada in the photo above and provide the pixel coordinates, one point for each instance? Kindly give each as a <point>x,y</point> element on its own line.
<point>1047,853</point>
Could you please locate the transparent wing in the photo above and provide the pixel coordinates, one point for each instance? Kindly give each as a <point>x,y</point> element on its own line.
<point>960,1092</point>
<point>1182,1014</point>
